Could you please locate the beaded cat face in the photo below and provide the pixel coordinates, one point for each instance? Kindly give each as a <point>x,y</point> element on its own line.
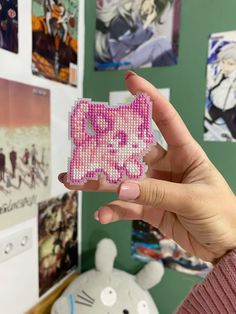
<point>109,141</point>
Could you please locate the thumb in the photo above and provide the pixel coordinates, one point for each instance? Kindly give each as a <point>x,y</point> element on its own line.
<point>169,196</point>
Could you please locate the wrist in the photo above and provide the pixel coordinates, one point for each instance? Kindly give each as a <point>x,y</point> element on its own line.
<point>218,259</point>
<point>227,252</point>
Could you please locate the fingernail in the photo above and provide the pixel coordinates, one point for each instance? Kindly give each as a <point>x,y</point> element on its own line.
<point>128,74</point>
<point>61,177</point>
<point>129,191</point>
<point>96,217</point>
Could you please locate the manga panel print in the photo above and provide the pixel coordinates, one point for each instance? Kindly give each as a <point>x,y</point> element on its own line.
<point>220,106</point>
<point>25,138</point>
<point>58,242</point>
<point>148,243</point>
<point>55,40</point>
<point>133,34</point>
<point>25,150</point>
<point>9,25</point>
<point>25,168</point>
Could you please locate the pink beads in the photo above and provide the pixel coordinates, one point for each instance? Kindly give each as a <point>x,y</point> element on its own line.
<point>109,141</point>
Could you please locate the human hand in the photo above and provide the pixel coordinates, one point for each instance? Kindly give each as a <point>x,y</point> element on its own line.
<point>183,195</point>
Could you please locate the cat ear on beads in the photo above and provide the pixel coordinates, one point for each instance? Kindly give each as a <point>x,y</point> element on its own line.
<point>109,140</point>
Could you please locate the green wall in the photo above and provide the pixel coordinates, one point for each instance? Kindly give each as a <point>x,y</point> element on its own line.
<point>187,81</point>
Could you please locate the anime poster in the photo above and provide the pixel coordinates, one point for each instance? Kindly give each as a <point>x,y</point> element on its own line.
<point>58,241</point>
<point>9,25</point>
<point>125,97</point>
<point>220,105</point>
<point>55,40</point>
<point>136,33</point>
<point>148,243</point>
<point>24,150</point>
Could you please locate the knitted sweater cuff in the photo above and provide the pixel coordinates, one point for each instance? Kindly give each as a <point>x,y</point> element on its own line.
<point>217,292</point>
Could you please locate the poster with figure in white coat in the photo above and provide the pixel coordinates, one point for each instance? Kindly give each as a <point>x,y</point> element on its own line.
<point>220,104</point>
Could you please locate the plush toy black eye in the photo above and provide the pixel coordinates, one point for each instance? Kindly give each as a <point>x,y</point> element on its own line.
<point>125,312</point>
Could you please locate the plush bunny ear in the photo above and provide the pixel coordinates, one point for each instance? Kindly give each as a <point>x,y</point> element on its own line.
<point>105,255</point>
<point>150,275</point>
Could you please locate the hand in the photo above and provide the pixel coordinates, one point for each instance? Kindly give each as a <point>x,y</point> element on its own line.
<point>183,195</point>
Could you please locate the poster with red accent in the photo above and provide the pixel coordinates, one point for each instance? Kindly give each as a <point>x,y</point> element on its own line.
<point>9,25</point>
<point>55,40</point>
<point>148,243</point>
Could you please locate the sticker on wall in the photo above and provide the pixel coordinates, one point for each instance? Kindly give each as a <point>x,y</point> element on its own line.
<point>148,243</point>
<point>24,150</point>
<point>55,40</point>
<point>124,97</point>
<point>134,34</point>
<point>9,25</point>
<point>220,105</point>
<point>58,240</point>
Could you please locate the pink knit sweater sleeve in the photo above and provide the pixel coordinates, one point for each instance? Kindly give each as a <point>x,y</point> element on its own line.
<point>217,293</point>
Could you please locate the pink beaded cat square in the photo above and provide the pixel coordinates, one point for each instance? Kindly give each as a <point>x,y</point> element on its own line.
<point>109,140</point>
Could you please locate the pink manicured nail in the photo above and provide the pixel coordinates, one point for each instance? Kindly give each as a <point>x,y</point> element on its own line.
<point>96,217</point>
<point>128,74</point>
<point>129,191</point>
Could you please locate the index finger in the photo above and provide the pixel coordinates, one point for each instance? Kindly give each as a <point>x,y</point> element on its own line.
<point>165,116</point>
<point>100,185</point>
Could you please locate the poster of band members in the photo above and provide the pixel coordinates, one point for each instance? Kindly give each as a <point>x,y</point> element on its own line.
<point>220,106</point>
<point>125,97</point>
<point>24,150</point>
<point>58,241</point>
<point>136,33</point>
<point>9,25</point>
<point>55,40</point>
<point>148,243</point>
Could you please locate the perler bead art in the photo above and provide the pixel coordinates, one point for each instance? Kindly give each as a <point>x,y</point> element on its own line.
<point>109,141</point>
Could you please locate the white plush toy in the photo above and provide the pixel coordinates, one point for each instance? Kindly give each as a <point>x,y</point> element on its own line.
<point>105,290</point>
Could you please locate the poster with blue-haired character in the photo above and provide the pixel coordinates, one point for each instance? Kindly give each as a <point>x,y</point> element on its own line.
<point>133,34</point>
<point>148,243</point>
<point>220,104</point>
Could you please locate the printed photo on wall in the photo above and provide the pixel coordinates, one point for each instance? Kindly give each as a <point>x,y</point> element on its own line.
<point>148,243</point>
<point>136,33</point>
<point>125,97</point>
<point>9,25</point>
<point>24,150</point>
<point>58,241</point>
<point>55,40</point>
<point>220,105</point>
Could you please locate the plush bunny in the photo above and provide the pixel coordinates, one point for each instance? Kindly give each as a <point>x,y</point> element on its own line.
<point>105,290</point>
